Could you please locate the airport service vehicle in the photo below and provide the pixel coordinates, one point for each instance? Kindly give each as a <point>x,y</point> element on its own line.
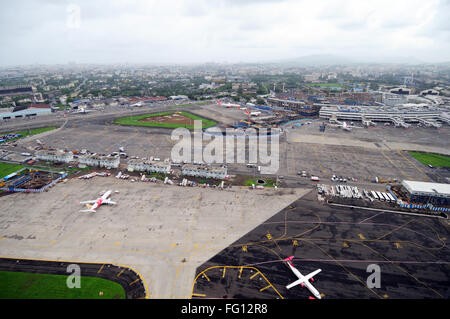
<point>303,280</point>
<point>96,203</point>
<point>228,105</point>
<point>25,154</point>
<point>315,179</point>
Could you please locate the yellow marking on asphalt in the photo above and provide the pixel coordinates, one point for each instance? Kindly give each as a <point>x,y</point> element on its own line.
<point>100,270</point>
<point>344,244</point>
<point>223,274</point>
<point>117,243</point>
<point>295,242</point>
<point>195,246</point>
<point>261,290</point>
<point>398,245</point>
<point>132,283</point>
<point>173,245</point>
<point>120,272</point>
<point>254,275</point>
<point>393,164</point>
<point>53,242</point>
<point>199,295</point>
<point>244,249</point>
<point>240,272</point>
<point>385,296</point>
<point>322,295</point>
<point>417,167</point>
<point>361,236</point>
<point>269,236</point>
<point>206,277</point>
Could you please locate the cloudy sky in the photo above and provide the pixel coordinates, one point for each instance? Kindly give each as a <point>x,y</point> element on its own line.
<point>172,31</point>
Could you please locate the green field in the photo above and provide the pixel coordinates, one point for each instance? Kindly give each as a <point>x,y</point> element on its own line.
<point>21,285</point>
<point>134,120</point>
<point>269,182</point>
<point>7,168</point>
<point>30,132</point>
<point>431,159</point>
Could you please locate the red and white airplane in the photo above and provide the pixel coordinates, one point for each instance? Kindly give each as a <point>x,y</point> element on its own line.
<point>303,280</point>
<point>96,203</point>
<point>230,105</point>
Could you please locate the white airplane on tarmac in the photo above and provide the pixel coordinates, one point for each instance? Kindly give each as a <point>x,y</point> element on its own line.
<point>303,280</point>
<point>96,203</point>
<point>229,105</point>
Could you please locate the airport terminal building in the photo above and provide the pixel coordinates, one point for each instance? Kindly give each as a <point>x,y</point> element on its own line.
<point>204,171</point>
<point>423,192</point>
<point>148,166</point>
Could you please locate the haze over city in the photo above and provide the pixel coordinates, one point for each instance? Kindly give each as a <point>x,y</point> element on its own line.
<point>118,31</point>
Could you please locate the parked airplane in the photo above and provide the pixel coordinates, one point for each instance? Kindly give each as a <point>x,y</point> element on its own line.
<point>229,105</point>
<point>96,203</point>
<point>82,111</point>
<point>303,280</point>
<point>138,104</point>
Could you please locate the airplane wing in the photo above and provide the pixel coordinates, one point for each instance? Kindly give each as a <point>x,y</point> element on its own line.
<point>89,202</point>
<point>110,202</point>
<point>295,283</point>
<point>309,276</point>
<point>87,211</point>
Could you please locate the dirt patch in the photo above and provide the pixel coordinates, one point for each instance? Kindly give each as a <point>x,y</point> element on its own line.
<point>174,118</point>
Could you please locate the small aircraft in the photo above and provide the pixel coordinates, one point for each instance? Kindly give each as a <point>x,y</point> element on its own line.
<point>96,203</point>
<point>228,105</point>
<point>303,280</point>
<point>82,111</point>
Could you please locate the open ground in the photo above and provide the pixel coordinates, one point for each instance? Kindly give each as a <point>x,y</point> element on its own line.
<point>163,232</point>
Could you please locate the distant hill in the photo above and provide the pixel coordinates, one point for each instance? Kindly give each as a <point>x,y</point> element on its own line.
<point>329,59</point>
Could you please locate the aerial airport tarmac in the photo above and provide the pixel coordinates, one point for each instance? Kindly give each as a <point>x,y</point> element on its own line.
<point>194,242</point>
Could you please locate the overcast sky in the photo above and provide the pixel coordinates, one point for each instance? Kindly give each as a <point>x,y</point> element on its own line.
<point>172,31</point>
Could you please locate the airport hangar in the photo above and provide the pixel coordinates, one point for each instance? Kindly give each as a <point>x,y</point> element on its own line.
<point>423,192</point>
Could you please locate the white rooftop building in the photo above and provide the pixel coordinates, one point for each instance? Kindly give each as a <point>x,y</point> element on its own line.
<point>148,166</point>
<point>99,160</point>
<point>204,171</point>
<point>425,192</point>
<point>54,156</point>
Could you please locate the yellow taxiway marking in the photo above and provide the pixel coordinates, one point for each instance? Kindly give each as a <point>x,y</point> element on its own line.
<point>260,290</point>
<point>254,275</point>
<point>118,275</point>
<point>398,245</point>
<point>100,270</point>
<point>322,295</point>
<point>223,274</point>
<point>385,296</point>
<point>206,277</point>
<point>244,249</point>
<point>361,236</point>
<point>344,244</point>
<point>240,272</point>
<point>199,295</point>
<point>132,283</point>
